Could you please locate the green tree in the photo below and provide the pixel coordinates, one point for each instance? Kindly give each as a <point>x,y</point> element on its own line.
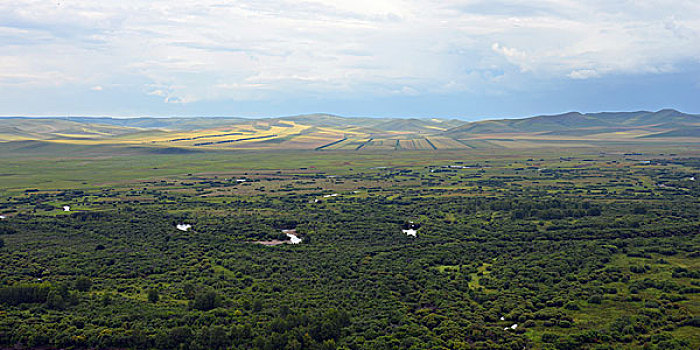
<point>153,295</point>
<point>218,338</point>
<point>189,290</point>
<point>595,299</point>
<point>206,301</point>
<point>55,301</point>
<point>83,284</point>
<point>180,335</point>
<point>5,230</point>
<point>106,299</point>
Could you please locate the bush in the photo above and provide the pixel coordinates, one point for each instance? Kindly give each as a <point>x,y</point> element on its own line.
<point>55,301</point>
<point>638,269</point>
<point>595,299</point>
<point>572,306</point>
<point>206,301</point>
<point>189,291</point>
<point>549,338</point>
<point>15,295</point>
<point>83,284</point>
<point>153,296</point>
<point>5,230</point>
<point>564,324</point>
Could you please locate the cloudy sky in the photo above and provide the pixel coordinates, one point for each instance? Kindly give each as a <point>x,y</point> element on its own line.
<point>465,58</point>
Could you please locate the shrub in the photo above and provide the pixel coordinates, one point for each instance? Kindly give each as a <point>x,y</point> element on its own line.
<point>572,306</point>
<point>206,301</point>
<point>153,296</point>
<point>83,284</point>
<point>19,294</point>
<point>595,299</point>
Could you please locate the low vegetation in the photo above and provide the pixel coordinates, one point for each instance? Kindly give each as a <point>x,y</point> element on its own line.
<point>559,249</point>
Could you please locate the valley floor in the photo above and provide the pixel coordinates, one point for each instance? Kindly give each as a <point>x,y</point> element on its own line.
<point>544,248</point>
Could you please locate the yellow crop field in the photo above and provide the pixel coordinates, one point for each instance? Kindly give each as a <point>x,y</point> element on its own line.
<point>446,143</point>
<point>11,137</point>
<point>321,132</point>
<point>422,144</point>
<point>406,144</point>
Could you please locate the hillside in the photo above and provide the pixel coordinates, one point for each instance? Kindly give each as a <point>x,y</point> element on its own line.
<point>331,132</point>
<point>162,123</point>
<point>664,119</point>
<point>19,129</point>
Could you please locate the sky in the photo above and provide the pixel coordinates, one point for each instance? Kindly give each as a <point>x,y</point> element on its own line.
<point>470,59</point>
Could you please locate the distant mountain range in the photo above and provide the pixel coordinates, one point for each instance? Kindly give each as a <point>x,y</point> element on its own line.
<point>329,132</point>
<point>591,122</point>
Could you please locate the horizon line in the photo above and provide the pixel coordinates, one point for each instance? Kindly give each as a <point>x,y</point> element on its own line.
<point>465,118</point>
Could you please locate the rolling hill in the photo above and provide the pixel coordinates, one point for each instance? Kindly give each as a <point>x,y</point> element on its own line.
<point>664,119</point>
<point>12,129</point>
<point>325,132</point>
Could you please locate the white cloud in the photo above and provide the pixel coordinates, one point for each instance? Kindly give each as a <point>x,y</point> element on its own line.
<point>513,55</point>
<point>185,51</point>
<point>583,74</point>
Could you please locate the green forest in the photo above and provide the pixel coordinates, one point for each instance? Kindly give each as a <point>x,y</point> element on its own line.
<point>567,250</point>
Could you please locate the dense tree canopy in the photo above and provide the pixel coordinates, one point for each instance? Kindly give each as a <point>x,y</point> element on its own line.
<point>505,257</point>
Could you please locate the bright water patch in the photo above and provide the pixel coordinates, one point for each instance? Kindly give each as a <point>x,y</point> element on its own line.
<point>293,238</point>
<point>410,232</point>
